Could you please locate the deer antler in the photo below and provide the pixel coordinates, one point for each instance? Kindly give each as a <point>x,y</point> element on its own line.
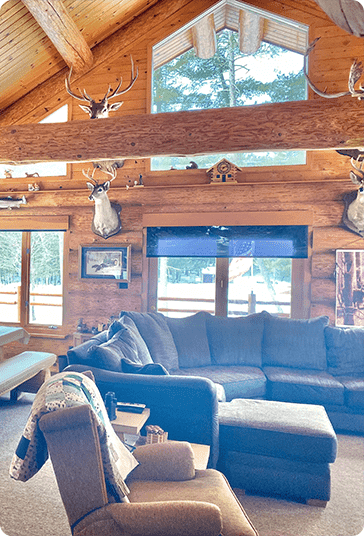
<point>133,78</point>
<point>88,176</point>
<point>84,98</point>
<point>357,179</point>
<point>356,71</point>
<point>111,172</point>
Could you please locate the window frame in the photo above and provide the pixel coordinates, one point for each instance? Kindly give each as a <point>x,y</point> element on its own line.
<point>301,272</point>
<point>25,225</point>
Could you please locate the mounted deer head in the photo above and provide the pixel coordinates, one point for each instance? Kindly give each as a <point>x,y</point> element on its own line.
<point>355,73</point>
<point>106,221</point>
<point>353,216</point>
<point>101,109</point>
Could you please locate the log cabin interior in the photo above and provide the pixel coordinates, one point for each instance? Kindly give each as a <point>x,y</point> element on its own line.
<point>96,39</point>
<point>275,167</point>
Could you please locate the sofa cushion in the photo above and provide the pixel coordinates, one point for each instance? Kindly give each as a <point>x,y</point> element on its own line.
<point>345,350</point>
<point>303,386</point>
<point>110,354</point>
<point>79,354</point>
<point>235,341</point>
<point>190,337</point>
<point>131,336</point>
<point>354,391</point>
<point>155,332</point>
<point>237,381</point>
<point>294,343</point>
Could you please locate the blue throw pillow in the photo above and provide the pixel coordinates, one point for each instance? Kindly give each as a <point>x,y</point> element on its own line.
<point>236,341</point>
<point>155,332</point>
<point>294,343</point>
<point>110,354</point>
<point>345,350</point>
<point>190,337</point>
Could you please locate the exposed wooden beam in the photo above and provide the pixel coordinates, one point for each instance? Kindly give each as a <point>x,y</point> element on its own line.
<point>204,37</point>
<point>117,43</point>
<point>251,27</point>
<point>314,125</point>
<point>54,19</point>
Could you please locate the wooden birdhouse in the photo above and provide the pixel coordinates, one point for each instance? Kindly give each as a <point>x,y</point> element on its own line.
<point>224,172</point>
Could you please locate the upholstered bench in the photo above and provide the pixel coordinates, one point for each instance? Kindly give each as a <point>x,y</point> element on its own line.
<point>25,372</point>
<point>277,448</point>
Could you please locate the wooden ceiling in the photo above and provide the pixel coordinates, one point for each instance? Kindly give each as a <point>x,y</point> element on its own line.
<point>38,38</point>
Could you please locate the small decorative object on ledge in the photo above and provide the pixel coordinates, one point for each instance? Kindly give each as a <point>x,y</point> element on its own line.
<point>155,434</point>
<point>10,203</point>
<point>224,172</point>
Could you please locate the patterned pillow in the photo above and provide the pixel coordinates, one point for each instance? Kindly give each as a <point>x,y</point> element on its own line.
<point>64,390</point>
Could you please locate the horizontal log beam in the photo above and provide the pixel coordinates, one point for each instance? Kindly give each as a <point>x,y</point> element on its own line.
<point>305,125</point>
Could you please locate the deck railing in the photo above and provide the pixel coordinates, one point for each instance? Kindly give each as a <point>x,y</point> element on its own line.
<point>251,305</point>
<point>17,300</point>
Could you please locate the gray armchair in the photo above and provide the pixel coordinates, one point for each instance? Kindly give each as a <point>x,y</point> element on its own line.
<point>167,495</point>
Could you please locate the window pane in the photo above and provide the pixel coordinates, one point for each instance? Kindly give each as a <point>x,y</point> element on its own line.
<point>44,169</point>
<point>46,278</point>
<point>229,79</point>
<point>265,284</point>
<point>10,275</point>
<point>186,285</point>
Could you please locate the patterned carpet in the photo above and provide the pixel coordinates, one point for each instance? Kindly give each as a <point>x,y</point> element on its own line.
<point>35,508</point>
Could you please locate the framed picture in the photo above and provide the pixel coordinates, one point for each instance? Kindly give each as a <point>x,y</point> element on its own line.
<point>349,287</point>
<point>105,262</point>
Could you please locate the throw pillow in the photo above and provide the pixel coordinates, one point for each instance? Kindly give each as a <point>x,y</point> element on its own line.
<point>131,334</point>
<point>155,332</point>
<point>236,341</point>
<point>79,354</point>
<point>294,343</point>
<point>190,337</point>
<point>345,350</point>
<point>110,354</point>
<point>152,369</point>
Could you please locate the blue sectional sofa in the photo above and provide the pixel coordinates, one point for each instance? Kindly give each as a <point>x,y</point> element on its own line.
<point>258,356</point>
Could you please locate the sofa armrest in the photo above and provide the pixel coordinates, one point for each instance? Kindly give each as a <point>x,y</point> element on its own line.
<point>173,460</point>
<point>184,406</point>
<point>167,518</point>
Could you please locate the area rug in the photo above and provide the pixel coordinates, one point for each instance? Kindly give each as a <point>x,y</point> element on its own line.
<point>35,508</point>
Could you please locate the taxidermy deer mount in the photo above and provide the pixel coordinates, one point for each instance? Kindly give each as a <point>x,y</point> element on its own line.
<point>106,221</point>
<point>355,73</point>
<point>101,109</point>
<point>353,216</point>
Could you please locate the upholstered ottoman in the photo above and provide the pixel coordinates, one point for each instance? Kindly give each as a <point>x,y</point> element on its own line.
<point>277,448</point>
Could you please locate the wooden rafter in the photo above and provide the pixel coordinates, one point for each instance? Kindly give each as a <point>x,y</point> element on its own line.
<point>54,19</point>
<point>204,37</point>
<point>309,125</point>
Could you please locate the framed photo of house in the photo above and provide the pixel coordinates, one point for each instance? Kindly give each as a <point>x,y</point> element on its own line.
<point>105,262</point>
<point>349,287</point>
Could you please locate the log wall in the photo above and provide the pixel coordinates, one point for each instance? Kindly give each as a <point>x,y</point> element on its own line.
<point>317,186</point>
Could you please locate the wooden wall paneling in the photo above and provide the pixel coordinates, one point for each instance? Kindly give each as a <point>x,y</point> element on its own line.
<point>323,265</point>
<point>319,309</point>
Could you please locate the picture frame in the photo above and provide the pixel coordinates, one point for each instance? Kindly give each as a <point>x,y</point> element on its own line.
<point>105,262</point>
<point>349,306</point>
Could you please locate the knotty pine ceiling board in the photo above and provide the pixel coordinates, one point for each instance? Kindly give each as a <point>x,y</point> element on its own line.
<point>28,57</point>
